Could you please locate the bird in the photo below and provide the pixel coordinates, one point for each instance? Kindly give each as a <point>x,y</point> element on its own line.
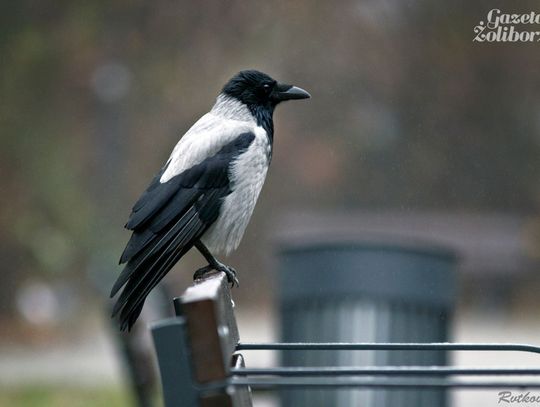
<point>204,195</point>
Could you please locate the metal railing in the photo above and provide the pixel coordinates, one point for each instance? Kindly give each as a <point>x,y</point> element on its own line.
<point>386,376</point>
<point>201,365</point>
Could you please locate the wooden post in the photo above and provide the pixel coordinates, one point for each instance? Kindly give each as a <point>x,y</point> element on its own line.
<point>212,331</point>
<point>211,335</point>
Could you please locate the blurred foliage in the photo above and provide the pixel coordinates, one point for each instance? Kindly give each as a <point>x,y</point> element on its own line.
<point>407,112</point>
<point>48,396</point>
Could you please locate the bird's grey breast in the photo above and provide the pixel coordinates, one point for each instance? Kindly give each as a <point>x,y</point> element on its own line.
<point>247,174</point>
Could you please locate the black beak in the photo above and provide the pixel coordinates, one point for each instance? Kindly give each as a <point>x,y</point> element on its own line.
<point>284,92</point>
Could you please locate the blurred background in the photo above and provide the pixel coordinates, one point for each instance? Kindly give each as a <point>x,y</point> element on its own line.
<point>414,133</point>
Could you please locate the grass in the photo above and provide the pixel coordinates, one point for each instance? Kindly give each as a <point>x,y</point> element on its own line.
<point>47,396</point>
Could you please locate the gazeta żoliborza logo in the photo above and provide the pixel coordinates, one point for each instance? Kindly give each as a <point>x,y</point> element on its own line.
<point>504,27</point>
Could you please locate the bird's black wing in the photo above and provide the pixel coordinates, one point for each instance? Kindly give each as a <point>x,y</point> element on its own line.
<point>167,220</point>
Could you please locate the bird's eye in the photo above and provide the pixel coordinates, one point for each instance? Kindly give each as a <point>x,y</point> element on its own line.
<point>266,87</point>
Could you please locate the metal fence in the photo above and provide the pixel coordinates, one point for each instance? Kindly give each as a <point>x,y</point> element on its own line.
<point>201,365</point>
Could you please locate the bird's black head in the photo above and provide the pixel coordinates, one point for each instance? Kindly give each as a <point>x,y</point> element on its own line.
<point>255,88</point>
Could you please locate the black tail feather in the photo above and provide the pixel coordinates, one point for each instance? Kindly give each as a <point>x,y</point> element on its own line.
<point>133,306</point>
<point>162,236</point>
<point>145,254</point>
<point>143,272</point>
<point>149,267</point>
<point>127,324</point>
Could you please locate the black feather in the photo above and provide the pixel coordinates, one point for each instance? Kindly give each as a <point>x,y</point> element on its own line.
<point>153,199</point>
<point>167,220</point>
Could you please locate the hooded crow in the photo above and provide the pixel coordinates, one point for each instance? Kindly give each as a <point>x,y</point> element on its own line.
<point>205,194</point>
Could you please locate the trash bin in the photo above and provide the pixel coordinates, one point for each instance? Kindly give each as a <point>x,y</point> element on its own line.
<point>365,292</point>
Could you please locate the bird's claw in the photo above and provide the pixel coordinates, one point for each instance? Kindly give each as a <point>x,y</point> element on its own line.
<point>231,276</point>
<point>229,272</point>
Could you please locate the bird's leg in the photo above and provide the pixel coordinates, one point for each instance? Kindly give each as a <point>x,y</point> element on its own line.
<point>214,264</point>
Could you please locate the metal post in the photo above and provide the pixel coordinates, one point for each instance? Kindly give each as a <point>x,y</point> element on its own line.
<point>170,340</point>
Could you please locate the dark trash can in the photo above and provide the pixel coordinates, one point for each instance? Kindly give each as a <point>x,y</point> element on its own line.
<point>365,292</point>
